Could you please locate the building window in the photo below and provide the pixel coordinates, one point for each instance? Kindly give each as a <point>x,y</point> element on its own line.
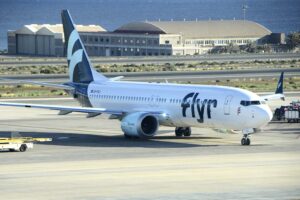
<point>167,42</point>
<point>84,38</point>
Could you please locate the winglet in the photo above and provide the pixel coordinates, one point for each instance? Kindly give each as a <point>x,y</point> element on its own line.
<point>279,89</point>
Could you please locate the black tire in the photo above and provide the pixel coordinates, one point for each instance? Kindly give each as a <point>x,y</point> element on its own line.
<point>248,141</point>
<point>178,132</point>
<point>187,132</point>
<point>243,141</point>
<point>23,148</point>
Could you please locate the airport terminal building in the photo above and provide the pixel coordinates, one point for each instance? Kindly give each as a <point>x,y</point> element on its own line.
<point>158,38</point>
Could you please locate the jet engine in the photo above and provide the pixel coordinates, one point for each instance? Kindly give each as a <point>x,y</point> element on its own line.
<point>140,124</point>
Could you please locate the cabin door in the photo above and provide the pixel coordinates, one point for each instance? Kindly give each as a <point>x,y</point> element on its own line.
<point>227,105</point>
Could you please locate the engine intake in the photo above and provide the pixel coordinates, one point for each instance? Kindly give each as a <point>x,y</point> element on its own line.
<point>140,125</point>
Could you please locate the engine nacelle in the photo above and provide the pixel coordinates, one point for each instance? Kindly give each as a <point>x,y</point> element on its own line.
<point>140,124</point>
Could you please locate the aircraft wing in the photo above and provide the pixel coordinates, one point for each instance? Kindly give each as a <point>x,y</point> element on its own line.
<point>64,108</point>
<point>59,86</point>
<point>279,91</point>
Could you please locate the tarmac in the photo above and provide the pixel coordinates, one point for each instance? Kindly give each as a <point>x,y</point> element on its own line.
<point>90,159</point>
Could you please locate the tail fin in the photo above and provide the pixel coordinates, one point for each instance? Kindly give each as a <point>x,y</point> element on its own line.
<point>279,89</point>
<point>80,68</point>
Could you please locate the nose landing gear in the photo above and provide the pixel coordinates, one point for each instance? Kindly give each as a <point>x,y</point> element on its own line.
<point>246,140</point>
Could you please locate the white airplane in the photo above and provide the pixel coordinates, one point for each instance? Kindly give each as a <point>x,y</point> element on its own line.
<point>143,107</point>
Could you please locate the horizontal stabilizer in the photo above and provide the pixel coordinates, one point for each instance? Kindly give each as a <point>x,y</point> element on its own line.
<point>273,97</point>
<point>278,93</point>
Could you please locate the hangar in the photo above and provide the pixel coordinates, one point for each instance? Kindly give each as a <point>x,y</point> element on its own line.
<point>198,37</point>
<point>149,38</point>
<point>42,40</point>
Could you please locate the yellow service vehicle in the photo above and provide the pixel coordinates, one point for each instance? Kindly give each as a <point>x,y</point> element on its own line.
<point>20,143</point>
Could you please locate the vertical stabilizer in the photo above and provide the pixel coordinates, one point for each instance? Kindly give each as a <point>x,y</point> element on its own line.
<point>80,68</point>
<point>279,89</point>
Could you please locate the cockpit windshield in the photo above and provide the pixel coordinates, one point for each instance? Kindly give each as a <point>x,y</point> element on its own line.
<point>248,103</point>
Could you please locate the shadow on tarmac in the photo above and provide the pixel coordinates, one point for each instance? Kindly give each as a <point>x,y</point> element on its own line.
<point>90,140</point>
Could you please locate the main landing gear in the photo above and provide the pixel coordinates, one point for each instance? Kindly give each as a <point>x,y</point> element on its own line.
<point>183,131</point>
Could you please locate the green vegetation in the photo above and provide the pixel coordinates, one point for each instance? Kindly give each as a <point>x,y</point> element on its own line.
<point>27,70</point>
<point>199,66</point>
<point>12,91</point>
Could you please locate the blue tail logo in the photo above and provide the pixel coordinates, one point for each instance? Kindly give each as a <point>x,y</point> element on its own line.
<point>279,89</point>
<point>80,69</point>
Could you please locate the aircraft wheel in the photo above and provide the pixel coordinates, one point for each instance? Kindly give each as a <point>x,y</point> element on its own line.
<point>248,141</point>
<point>23,148</point>
<point>187,132</point>
<point>245,141</point>
<point>179,131</point>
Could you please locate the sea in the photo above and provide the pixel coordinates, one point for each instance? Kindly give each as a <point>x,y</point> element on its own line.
<point>276,15</point>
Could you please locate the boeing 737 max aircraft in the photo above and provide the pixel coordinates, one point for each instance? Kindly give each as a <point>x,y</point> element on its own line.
<point>143,107</point>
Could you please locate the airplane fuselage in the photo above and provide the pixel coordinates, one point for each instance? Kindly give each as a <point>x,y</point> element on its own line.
<point>183,105</point>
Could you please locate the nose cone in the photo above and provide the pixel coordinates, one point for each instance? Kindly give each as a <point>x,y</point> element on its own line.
<point>265,115</point>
